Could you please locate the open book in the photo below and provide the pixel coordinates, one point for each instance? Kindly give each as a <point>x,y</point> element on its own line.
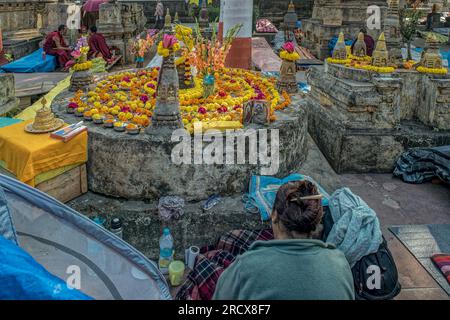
<point>68,133</point>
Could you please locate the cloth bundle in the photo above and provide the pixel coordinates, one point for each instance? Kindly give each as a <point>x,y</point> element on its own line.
<point>170,207</point>
<point>265,26</point>
<point>356,230</point>
<point>442,261</point>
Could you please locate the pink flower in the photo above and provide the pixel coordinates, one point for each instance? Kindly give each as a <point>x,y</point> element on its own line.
<point>76,54</point>
<point>169,41</point>
<point>289,47</point>
<point>73,105</point>
<point>151,85</point>
<point>201,110</point>
<point>144,98</point>
<point>126,79</point>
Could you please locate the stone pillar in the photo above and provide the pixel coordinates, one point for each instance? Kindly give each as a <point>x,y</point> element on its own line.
<point>220,28</point>
<point>110,25</point>
<point>235,12</point>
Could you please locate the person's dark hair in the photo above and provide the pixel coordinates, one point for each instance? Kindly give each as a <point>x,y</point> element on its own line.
<point>61,27</point>
<point>363,30</point>
<point>93,29</point>
<point>296,214</point>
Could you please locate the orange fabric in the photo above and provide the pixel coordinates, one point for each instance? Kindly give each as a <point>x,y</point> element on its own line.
<point>27,155</point>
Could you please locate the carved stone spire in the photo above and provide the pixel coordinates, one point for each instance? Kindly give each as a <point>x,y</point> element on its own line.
<point>166,116</point>
<point>360,48</point>
<point>392,33</point>
<point>340,50</point>
<point>380,54</point>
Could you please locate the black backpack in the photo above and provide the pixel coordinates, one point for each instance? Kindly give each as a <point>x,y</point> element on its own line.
<point>362,273</point>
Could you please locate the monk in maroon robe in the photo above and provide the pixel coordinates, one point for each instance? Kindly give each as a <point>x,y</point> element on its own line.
<point>56,45</point>
<point>97,45</point>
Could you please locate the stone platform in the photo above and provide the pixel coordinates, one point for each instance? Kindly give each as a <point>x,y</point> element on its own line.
<point>141,167</point>
<point>142,225</point>
<point>363,121</point>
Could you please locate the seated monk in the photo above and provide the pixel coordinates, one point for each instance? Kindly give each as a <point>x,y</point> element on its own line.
<point>97,45</point>
<point>55,45</point>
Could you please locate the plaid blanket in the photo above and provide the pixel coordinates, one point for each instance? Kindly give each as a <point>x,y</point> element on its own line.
<point>213,260</point>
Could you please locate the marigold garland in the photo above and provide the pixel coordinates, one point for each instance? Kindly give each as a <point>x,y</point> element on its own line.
<point>422,69</point>
<point>289,56</point>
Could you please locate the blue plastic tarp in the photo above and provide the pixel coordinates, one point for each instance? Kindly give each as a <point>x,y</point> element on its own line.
<point>263,190</point>
<point>333,42</point>
<point>32,63</point>
<point>22,278</point>
<point>5,121</point>
<point>70,246</point>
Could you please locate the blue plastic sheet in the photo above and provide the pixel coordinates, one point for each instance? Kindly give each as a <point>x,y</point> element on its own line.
<point>32,63</point>
<point>333,42</point>
<point>5,121</point>
<point>22,278</point>
<point>263,190</point>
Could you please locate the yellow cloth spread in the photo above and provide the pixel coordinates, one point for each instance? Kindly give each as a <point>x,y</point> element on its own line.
<point>30,112</point>
<point>29,155</point>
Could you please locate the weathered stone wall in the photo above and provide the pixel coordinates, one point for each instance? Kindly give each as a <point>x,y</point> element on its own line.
<point>362,122</point>
<point>276,9</point>
<point>8,101</point>
<point>19,23</point>
<point>434,109</point>
<point>173,5</point>
<point>142,225</point>
<point>329,18</point>
<point>141,167</point>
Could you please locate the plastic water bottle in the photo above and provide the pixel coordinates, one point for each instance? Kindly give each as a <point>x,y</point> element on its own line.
<point>96,251</point>
<point>165,251</point>
<point>116,227</point>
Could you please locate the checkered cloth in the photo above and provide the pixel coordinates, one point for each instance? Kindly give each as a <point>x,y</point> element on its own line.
<point>213,260</point>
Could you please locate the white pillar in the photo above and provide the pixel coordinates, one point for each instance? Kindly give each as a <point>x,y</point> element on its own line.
<point>235,12</point>
<point>238,11</point>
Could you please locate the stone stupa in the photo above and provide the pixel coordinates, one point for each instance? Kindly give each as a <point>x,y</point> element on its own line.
<point>360,48</point>
<point>380,56</point>
<point>340,50</point>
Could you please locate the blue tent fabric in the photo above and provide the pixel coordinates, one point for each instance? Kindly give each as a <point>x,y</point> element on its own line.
<point>22,278</point>
<point>40,222</point>
<point>333,41</point>
<point>263,190</point>
<point>32,63</point>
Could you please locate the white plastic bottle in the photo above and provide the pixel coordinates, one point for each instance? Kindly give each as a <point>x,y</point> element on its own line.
<point>165,251</point>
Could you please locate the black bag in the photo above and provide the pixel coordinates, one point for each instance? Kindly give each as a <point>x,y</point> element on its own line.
<point>363,271</point>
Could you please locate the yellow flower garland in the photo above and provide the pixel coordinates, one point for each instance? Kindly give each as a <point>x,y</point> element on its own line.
<point>432,70</point>
<point>377,69</point>
<point>165,52</point>
<point>365,58</point>
<point>294,56</point>
<point>338,61</point>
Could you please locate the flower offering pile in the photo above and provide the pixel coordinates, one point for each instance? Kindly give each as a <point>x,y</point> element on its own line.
<point>130,98</point>
<point>80,55</point>
<point>288,52</point>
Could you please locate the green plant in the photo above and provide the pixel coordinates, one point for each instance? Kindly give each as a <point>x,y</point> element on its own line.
<point>409,20</point>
